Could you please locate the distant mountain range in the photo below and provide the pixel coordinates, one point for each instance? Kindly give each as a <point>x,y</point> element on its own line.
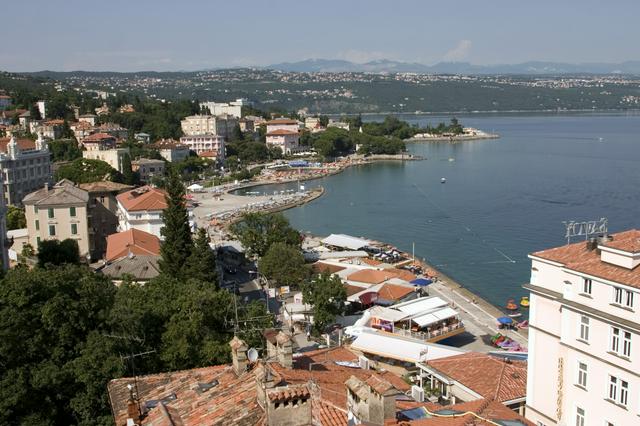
<point>385,65</point>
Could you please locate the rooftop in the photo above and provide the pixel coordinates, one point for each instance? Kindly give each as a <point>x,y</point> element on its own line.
<point>62,193</point>
<point>579,258</point>
<point>282,132</point>
<point>487,375</point>
<point>281,121</point>
<point>133,241</point>
<point>143,198</point>
<point>104,186</point>
<point>23,144</point>
<point>140,268</point>
<point>98,137</point>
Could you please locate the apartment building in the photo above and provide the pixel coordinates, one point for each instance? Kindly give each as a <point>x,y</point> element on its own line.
<point>218,108</point>
<point>25,166</point>
<point>584,334</point>
<point>57,213</point>
<point>147,168</point>
<point>171,150</point>
<point>102,146</point>
<point>205,144</point>
<point>141,209</point>
<point>283,133</point>
<point>221,125</point>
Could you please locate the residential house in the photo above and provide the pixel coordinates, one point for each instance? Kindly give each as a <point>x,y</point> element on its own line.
<point>584,332</point>
<point>141,208</point>
<point>284,134</point>
<point>131,242</point>
<point>51,129</point>
<point>114,130</point>
<point>246,125</point>
<point>138,268</point>
<point>126,109</point>
<point>81,130</point>
<point>147,168</point>
<point>103,110</point>
<point>25,167</point>
<point>7,117</point>
<point>205,143</point>
<point>57,213</point>
<point>171,150</point>
<point>101,146</point>
<point>103,213</point>
<point>472,376</point>
<point>91,119</point>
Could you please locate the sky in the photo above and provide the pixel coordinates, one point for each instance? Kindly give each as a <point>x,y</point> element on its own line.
<point>161,35</point>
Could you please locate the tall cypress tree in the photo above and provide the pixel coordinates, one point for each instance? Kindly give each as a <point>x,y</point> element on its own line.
<point>177,245</point>
<point>127,171</point>
<point>201,265</point>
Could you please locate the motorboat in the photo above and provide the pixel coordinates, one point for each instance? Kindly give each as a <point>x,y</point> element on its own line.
<point>524,301</point>
<point>443,180</point>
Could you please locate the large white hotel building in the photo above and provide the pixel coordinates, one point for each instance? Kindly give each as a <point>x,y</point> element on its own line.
<point>584,335</point>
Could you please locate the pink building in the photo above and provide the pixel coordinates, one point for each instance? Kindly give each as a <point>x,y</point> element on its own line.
<point>205,143</point>
<point>283,133</point>
<point>584,335</point>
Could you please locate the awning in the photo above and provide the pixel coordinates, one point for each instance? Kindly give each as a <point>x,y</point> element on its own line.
<point>425,320</point>
<point>421,282</point>
<point>445,313</point>
<point>345,241</point>
<point>505,320</point>
<point>420,305</point>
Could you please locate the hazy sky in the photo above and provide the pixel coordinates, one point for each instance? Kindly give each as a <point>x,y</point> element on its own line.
<point>186,35</point>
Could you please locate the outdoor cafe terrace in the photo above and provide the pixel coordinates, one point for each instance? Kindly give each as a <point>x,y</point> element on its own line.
<point>427,319</point>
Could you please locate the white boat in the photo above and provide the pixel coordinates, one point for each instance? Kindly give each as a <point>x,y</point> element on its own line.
<point>443,180</point>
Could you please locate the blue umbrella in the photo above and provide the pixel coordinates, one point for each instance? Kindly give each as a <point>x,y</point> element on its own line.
<point>505,320</point>
<point>421,281</point>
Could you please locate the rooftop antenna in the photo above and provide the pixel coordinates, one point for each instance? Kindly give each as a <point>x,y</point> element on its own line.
<point>579,229</point>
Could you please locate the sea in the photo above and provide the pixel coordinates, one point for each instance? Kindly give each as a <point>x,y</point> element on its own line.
<point>503,198</point>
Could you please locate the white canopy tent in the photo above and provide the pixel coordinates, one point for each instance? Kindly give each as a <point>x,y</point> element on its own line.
<point>345,241</point>
<point>195,187</point>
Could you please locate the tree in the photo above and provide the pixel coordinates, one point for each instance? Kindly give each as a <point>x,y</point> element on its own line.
<point>258,231</point>
<point>55,366</point>
<point>324,120</point>
<point>201,265</point>
<point>177,245</point>
<point>128,176</point>
<point>327,295</point>
<point>64,150</point>
<point>83,170</point>
<point>16,218</point>
<point>67,133</point>
<point>54,252</point>
<point>284,265</point>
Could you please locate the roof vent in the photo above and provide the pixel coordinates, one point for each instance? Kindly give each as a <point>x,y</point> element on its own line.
<point>592,244</point>
<point>604,238</point>
<point>203,387</point>
<point>152,403</point>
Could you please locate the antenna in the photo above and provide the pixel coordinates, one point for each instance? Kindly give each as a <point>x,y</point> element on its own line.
<point>579,229</point>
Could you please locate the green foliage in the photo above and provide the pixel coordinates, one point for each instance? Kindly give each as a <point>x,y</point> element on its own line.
<point>260,319</point>
<point>201,265</point>
<point>28,251</point>
<point>284,265</point>
<point>67,133</point>
<point>83,170</point>
<point>55,252</point>
<point>54,369</point>
<point>333,142</point>
<point>258,231</point>
<point>251,151</point>
<point>327,295</point>
<point>16,218</point>
<point>379,145</point>
<point>128,176</point>
<point>64,150</point>
<point>177,245</point>
<point>192,167</point>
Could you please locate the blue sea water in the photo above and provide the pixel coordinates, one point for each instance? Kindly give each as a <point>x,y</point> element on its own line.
<point>502,198</point>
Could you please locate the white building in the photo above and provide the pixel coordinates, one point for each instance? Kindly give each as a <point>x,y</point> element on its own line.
<point>584,334</point>
<point>171,150</point>
<point>25,167</point>
<point>141,209</point>
<point>219,108</point>
<point>221,125</point>
<point>283,133</point>
<point>205,144</point>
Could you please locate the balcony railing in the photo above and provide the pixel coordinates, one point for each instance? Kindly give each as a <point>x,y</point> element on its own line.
<point>433,334</point>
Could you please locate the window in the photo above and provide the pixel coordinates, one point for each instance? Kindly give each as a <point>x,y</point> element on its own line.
<point>622,297</point>
<point>586,286</point>
<point>52,230</point>
<point>50,213</point>
<point>579,416</point>
<point>72,211</point>
<point>615,339</point>
<point>74,229</point>
<point>618,390</point>
<point>584,328</point>
<point>582,374</point>
<point>37,225</point>
<point>626,344</point>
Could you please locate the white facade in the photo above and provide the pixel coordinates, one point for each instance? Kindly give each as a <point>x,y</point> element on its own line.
<point>24,168</point>
<point>221,125</point>
<point>205,144</point>
<point>218,108</point>
<point>114,156</point>
<point>144,220</point>
<point>584,335</point>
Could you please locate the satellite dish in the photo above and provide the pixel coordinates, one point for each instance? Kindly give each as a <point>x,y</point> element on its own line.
<point>252,354</point>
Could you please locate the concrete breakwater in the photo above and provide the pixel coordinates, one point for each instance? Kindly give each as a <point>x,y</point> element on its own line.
<point>453,139</point>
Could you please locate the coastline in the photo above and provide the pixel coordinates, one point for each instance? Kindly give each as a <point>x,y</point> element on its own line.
<point>453,139</point>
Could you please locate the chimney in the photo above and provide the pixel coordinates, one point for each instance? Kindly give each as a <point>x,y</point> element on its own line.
<point>289,406</point>
<point>592,244</point>
<point>372,401</point>
<point>46,186</point>
<point>239,355</point>
<point>264,382</point>
<point>284,350</point>
<point>133,412</point>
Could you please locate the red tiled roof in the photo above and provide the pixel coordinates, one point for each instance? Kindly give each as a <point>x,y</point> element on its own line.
<point>208,154</point>
<point>55,122</point>
<point>390,291</point>
<point>327,414</point>
<point>578,258</point>
<point>377,276</point>
<point>144,198</point>
<point>281,132</point>
<point>370,262</point>
<point>289,393</point>
<point>97,137</point>
<point>486,375</point>
<point>132,241</point>
<point>281,121</point>
<point>320,267</point>
<point>23,144</point>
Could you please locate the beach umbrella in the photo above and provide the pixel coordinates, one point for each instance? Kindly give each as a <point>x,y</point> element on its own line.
<point>421,281</point>
<point>505,320</point>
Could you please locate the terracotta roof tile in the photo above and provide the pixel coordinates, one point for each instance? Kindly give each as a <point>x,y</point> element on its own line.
<point>281,121</point>
<point>320,267</point>
<point>393,292</point>
<point>133,241</point>
<point>98,137</point>
<point>578,258</point>
<point>281,132</point>
<point>23,144</point>
<point>486,375</point>
<point>377,276</point>
<point>143,198</point>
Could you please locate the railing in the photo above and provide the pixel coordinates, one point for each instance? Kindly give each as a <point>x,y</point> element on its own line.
<point>423,335</point>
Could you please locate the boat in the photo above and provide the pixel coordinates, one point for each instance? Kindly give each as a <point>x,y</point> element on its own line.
<point>524,301</point>
<point>511,305</point>
<point>515,314</point>
<point>442,180</point>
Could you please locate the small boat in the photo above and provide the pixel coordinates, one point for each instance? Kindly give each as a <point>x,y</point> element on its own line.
<point>443,180</point>
<point>524,301</point>
<point>515,314</point>
<point>511,305</point>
